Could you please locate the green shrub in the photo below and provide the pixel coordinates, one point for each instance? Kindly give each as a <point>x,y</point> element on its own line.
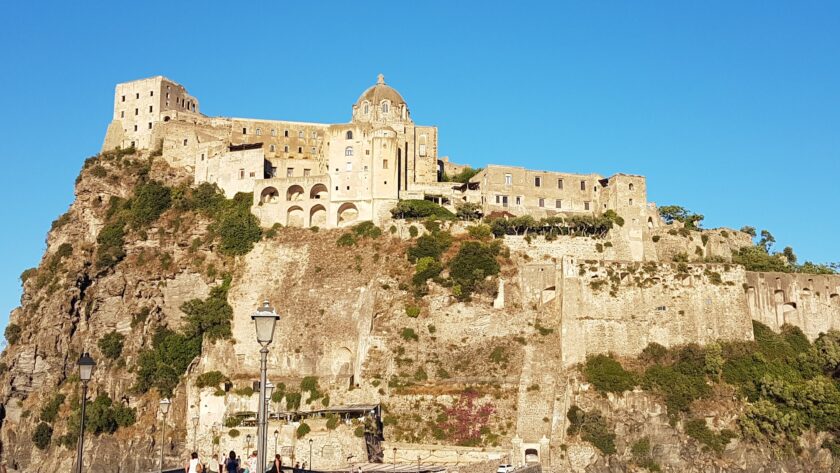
<point>607,375</point>
<point>162,366</point>
<point>111,344</point>
<point>302,430</point>
<point>110,242</point>
<point>49,412</point>
<point>420,375</point>
<point>332,421</point>
<point>346,239</point>
<point>367,229</point>
<point>409,335</point>
<point>653,352</point>
<point>641,455</point>
<point>244,391</point>
<point>233,421</point>
<point>480,232</point>
<point>420,209</point>
<point>473,262</point>
<point>42,436</point>
<point>412,311</point>
<point>237,227</point>
<point>359,431</point>
<point>425,269</point>
<point>698,430</point>
<point>233,433</point>
<point>210,379</point>
<point>499,355</point>
<point>431,245</point>
<point>656,238</point>
<point>592,428</point>
<point>293,401</point>
<point>463,177</point>
<point>12,333</point>
<point>469,211</point>
<point>412,231</point>
<point>150,200</point>
<point>212,316</point>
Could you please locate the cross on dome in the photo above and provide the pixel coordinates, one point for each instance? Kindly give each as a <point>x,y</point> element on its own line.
<point>380,79</point>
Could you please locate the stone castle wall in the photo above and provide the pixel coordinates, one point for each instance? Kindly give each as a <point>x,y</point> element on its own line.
<point>808,301</point>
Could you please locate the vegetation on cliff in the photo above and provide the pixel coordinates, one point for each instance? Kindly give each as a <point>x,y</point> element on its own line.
<point>789,385</point>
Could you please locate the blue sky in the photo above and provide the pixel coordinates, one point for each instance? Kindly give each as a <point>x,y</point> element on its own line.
<point>731,109</point>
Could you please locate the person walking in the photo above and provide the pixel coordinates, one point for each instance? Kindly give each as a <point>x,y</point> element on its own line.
<point>251,463</point>
<point>221,460</point>
<point>193,465</point>
<point>232,463</point>
<point>277,464</point>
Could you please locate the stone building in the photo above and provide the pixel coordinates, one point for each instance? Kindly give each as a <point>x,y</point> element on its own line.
<point>330,175</point>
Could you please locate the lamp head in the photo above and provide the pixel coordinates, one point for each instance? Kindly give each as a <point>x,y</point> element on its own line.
<point>86,365</point>
<point>164,405</point>
<point>265,318</point>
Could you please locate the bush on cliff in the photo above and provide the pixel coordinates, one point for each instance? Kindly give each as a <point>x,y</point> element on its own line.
<point>211,316</point>
<point>474,262</point>
<point>111,344</point>
<point>12,333</point>
<point>236,226</point>
<point>607,374</point>
<point>592,427</point>
<point>42,436</point>
<point>163,365</point>
<point>407,209</point>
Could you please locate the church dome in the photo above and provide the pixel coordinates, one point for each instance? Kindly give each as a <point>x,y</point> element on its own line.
<point>379,92</point>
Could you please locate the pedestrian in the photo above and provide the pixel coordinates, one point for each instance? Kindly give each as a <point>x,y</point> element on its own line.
<point>277,464</point>
<point>304,466</point>
<point>232,463</point>
<point>193,465</point>
<point>251,463</point>
<point>221,460</point>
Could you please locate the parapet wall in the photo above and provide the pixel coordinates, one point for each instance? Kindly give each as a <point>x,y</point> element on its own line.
<point>808,301</point>
<point>621,307</point>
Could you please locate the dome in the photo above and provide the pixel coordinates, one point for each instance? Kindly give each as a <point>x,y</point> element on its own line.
<point>380,92</point>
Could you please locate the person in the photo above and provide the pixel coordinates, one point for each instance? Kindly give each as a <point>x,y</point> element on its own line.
<point>194,466</point>
<point>303,467</point>
<point>221,460</point>
<point>277,465</point>
<point>232,464</point>
<point>251,463</point>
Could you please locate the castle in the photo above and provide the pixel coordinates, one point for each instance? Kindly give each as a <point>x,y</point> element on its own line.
<point>332,175</point>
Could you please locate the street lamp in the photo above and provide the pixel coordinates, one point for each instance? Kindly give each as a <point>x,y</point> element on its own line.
<point>265,318</point>
<point>276,438</point>
<point>247,445</point>
<point>164,408</point>
<point>310,454</point>
<point>86,365</point>
<point>269,389</point>
<point>395,459</point>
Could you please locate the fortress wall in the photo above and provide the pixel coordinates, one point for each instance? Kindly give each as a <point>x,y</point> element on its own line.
<point>721,243</point>
<point>808,301</point>
<point>621,307</point>
<point>583,248</point>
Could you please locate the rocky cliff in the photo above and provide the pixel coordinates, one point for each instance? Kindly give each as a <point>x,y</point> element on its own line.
<point>157,280</point>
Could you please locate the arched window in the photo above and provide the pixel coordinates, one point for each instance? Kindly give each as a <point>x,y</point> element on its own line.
<point>631,186</point>
<point>349,135</point>
<point>271,148</point>
<point>385,107</point>
<point>348,151</point>
<point>367,108</point>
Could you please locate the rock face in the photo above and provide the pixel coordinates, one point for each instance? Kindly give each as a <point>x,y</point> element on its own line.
<point>502,363</point>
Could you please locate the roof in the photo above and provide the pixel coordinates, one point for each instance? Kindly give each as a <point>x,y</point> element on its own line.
<point>379,92</point>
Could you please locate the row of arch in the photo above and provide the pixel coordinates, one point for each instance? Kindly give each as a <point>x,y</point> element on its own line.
<point>295,192</point>
<point>296,216</point>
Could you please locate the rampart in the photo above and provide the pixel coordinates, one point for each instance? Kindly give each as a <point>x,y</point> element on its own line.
<point>808,301</point>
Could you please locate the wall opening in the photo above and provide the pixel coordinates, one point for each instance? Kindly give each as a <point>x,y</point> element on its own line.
<point>294,192</point>
<point>269,195</point>
<point>347,213</point>
<point>532,455</point>
<point>294,218</point>
<point>318,216</point>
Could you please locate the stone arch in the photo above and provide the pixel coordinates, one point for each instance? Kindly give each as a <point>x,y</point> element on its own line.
<point>319,191</point>
<point>295,192</point>
<point>349,135</point>
<point>269,195</point>
<point>294,217</point>
<point>779,297</point>
<point>789,307</point>
<point>347,213</point>
<point>342,362</point>
<point>532,455</point>
<point>317,216</point>
<point>650,222</point>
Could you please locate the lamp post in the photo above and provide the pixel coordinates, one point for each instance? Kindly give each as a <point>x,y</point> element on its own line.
<point>247,445</point>
<point>276,438</point>
<point>86,365</point>
<point>418,463</point>
<point>164,408</point>
<point>195,431</point>
<point>265,318</point>
<point>395,459</point>
<point>269,389</point>
<point>310,454</point>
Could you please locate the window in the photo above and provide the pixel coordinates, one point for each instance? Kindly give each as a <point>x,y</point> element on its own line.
<point>558,204</point>
<point>630,202</point>
<point>150,127</point>
<point>560,184</point>
<point>348,151</point>
<point>630,186</point>
<point>384,164</point>
<point>348,135</point>
<point>348,166</point>
<point>137,95</point>
<point>273,171</point>
<point>271,148</point>
<point>300,134</point>
<point>185,142</point>
<point>202,156</point>
<point>366,169</point>
<point>583,185</point>
<point>422,145</point>
<point>259,132</point>
<point>251,174</point>
<point>312,150</point>
<point>244,131</point>
<point>122,114</point>
<point>150,109</point>
<point>586,206</point>
<point>385,107</point>
<point>537,181</point>
<point>519,200</point>
<point>290,172</point>
<point>502,199</point>
<point>135,127</point>
<point>241,174</point>
<point>286,133</point>
<point>286,149</point>
<point>123,98</point>
<point>306,172</point>
<point>273,132</point>
<point>137,111</point>
<point>314,134</point>
<point>151,93</point>
<point>367,108</point>
<point>508,179</point>
<point>542,202</point>
<point>300,149</point>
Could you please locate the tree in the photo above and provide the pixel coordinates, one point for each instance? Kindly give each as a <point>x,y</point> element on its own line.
<point>789,255</point>
<point>13,333</point>
<point>766,241</point>
<point>749,230</point>
<point>42,435</point>
<point>468,211</point>
<point>670,213</point>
